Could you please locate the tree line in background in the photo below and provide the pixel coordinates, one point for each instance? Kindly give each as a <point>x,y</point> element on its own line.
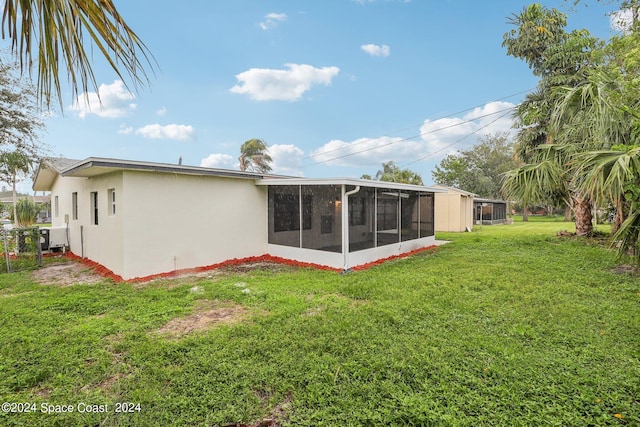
<point>479,169</point>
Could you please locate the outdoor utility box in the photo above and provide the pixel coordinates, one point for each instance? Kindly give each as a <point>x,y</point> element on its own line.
<point>44,239</point>
<point>57,236</point>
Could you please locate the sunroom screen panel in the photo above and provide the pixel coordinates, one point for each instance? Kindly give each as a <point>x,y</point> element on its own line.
<point>322,211</point>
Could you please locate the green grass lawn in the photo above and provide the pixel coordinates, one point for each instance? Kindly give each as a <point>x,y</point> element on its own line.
<point>505,326</point>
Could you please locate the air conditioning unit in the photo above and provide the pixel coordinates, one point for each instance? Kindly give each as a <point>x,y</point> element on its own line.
<point>57,237</point>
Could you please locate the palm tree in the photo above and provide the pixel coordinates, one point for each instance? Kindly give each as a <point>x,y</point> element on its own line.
<point>13,165</point>
<point>594,116</point>
<point>550,177</point>
<point>54,32</point>
<point>254,156</point>
<point>391,172</point>
<point>615,175</point>
<point>26,212</point>
<point>561,59</point>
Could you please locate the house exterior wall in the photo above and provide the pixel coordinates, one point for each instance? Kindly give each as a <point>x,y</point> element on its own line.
<point>103,242</point>
<point>453,212</point>
<point>163,222</point>
<point>177,222</point>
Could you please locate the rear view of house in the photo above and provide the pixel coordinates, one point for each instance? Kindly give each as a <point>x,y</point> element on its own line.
<point>140,218</point>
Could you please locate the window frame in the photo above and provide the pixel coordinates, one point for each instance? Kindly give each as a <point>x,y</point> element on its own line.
<point>94,207</point>
<point>111,199</point>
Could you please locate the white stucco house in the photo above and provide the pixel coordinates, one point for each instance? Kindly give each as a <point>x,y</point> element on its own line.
<point>140,219</point>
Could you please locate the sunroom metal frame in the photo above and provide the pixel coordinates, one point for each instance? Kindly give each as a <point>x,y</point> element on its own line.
<point>346,258</point>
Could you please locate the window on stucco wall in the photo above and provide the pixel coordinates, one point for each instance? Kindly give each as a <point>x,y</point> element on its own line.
<point>94,207</point>
<point>111,196</point>
<point>74,205</point>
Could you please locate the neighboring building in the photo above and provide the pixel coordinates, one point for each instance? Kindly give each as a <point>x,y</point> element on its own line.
<point>44,215</point>
<point>453,209</point>
<point>489,212</point>
<point>140,218</point>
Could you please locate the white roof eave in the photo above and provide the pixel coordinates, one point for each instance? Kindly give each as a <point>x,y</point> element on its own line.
<point>347,181</point>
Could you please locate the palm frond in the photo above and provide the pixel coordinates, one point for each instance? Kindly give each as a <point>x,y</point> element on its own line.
<point>53,32</point>
<point>604,174</point>
<point>628,234</point>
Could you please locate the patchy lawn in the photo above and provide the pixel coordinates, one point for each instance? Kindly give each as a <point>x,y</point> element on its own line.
<point>508,325</point>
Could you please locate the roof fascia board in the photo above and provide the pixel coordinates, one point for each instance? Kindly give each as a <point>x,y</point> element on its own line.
<point>92,162</point>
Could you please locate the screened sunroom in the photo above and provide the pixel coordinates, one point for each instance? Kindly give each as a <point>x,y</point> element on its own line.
<point>343,223</point>
<point>489,212</point>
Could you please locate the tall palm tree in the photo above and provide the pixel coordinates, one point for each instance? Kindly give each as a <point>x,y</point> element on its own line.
<point>550,176</point>
<point>560,59</point>
<point>594,116</point>
<point>254,156</point>
<point>51,32</point>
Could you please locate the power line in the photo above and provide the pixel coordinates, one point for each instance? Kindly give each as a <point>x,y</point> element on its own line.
<point>458,140</point>
<point>507,110</point>
<point>310,156</point>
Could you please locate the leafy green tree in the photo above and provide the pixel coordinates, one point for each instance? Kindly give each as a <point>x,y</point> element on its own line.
<point>479,169</point>
<point>48,32</point>
<point>20,124</point>
<point>254,156</point>
<point>557,57</point>
<point>391,172</point>
<point>20,120</point>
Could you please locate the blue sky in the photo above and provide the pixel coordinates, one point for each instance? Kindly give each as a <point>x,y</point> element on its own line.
<point>335,87</point>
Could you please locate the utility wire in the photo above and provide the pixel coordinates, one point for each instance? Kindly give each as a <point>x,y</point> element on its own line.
<point>415,136</point>
<point>310,156</point>
<point>458,140</point>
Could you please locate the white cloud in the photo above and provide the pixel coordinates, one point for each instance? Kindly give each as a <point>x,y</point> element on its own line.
<point>125,130</point>
<point>162,111</point>
<point>367,151</point>
<point>272,20</point>
<point>222,161</point>
<point>264,84</point>
<point>376,50</point>
<point>621,20</point>
<point>447,133</point>
<point>176,132</point>
<point>286,159</point>
<point>114,101</point>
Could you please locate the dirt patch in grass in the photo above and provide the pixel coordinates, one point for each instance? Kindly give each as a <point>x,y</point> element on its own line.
<point>42,392</point>
<point>257,266</point>
<point>66,274</point>
<point>277,416</point>
<point>206,314</point>
<point>625,269</point>
<point>106,384</point>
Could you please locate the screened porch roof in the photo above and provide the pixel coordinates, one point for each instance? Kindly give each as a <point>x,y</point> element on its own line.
<point>487,201</point>
<point>348,181</point>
